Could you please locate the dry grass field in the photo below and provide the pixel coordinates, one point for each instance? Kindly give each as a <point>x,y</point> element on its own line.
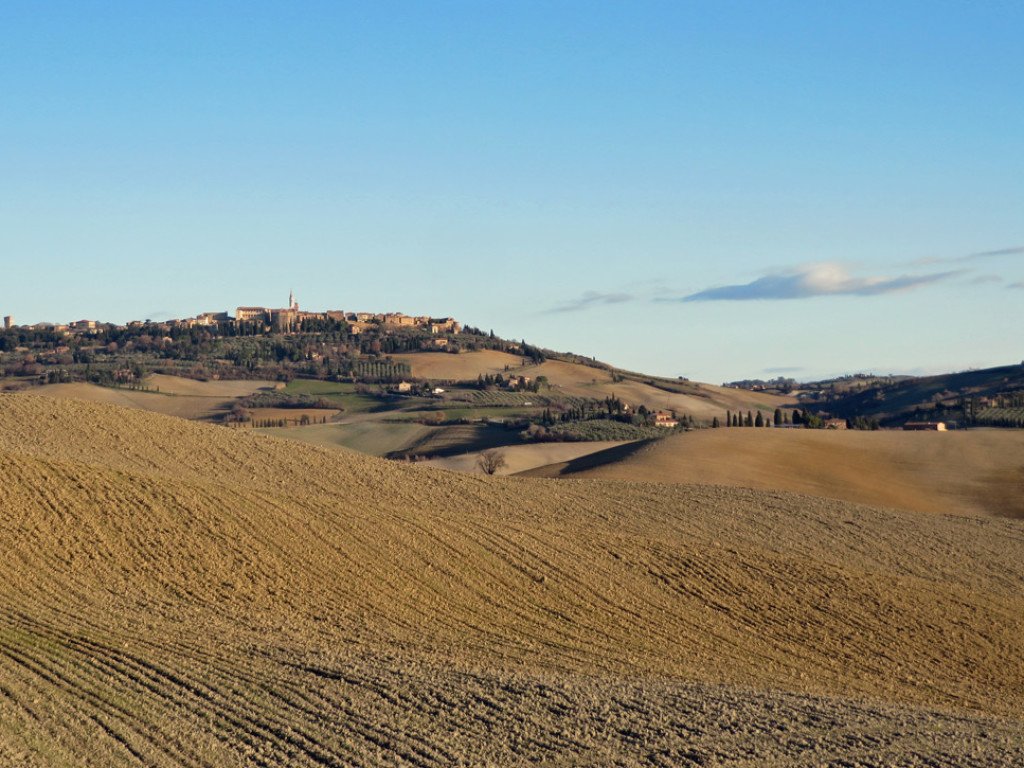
<point>965,472</point>
<point>522,458</point>
<point>582,381</point>
<point>372,437</point>
<point>461,367</point>
<point>182,594</point>
<point>184,398</point>
<point>226,389</point>
<point>713,401</point>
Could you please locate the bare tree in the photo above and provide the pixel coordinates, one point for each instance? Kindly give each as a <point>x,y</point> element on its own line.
<point>490,461</point>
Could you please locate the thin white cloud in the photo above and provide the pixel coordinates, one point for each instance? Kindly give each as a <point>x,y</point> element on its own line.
<point>592,299</point>
<point>983,279</point>
<point>820,279</point>
<point>1016,286</point>
<point>1016,251</point>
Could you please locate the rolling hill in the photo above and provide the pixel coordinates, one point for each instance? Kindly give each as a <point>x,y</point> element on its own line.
<point>183,594</point>
<point>977,472</point>
<point>703,401</point>
<point>896,400</point>
<point>170,395</point>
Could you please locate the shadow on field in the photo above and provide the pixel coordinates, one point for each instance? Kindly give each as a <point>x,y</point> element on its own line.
<point>591,460</point>
<point>445,441</point>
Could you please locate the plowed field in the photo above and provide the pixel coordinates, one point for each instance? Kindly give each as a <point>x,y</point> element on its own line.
<point>181,594</point>
<point>965,472</point>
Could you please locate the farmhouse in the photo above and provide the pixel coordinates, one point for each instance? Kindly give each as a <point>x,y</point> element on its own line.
<point>665,419</point>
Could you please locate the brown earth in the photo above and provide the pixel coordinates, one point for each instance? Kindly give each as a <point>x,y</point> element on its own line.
<point>963,472</point>
<point>227,388</point>
<point>370,436</point>
<point>461,367</point>
<point>521,458</point>
<point>182,594</point>
<point>184,398</point>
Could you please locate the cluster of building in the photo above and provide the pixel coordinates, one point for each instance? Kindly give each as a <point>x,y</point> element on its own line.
<point>77,326</point>
<point>291,318</point>
<point>288,319</point>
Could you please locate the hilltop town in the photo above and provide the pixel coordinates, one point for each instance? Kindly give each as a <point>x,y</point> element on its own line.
<point>288,319</point>
<point>285,343</point>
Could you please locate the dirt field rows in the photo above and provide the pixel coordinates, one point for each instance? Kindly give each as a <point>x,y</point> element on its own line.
<point>181,594</point>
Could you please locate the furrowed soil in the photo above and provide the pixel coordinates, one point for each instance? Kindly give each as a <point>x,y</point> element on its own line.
<point>183,594</point>
<point>979,471</point>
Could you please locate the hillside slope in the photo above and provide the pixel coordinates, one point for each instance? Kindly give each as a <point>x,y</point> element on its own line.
<point>914,398</point>
<point>170,395</point>
<point>702,401</point>
<point>977,472</point>
<point>178,594</point>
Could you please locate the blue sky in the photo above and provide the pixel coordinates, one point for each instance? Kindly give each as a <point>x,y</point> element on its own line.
<point>712,190</point>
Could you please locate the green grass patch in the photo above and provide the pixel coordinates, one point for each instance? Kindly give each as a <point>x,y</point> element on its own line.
<point>315,387</point>
<point>602,429</point>
<point>343,395</point>
<point>452,414</point>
